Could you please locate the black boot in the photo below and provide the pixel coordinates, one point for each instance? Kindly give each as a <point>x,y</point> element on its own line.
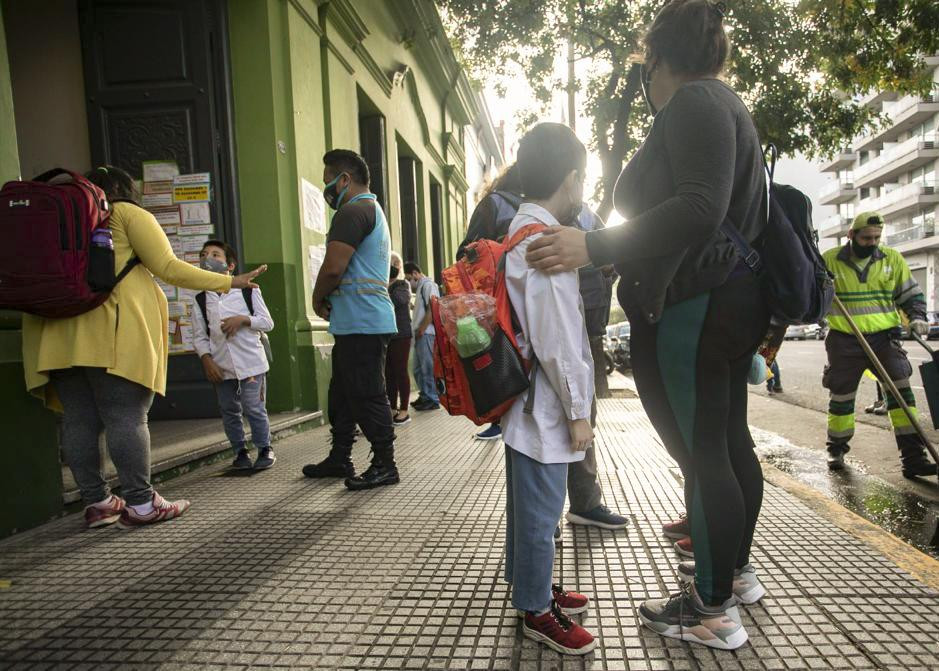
<point>836,454</point>
<point>913,457</point>
<point>337,465</point>
<point>383,471</point>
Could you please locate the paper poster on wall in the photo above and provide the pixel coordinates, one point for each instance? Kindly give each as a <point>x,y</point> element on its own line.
<point>193,243</point>
<point>153,200</point>
<point>185,332</point>
<point>166,216</point>
<point>191,257</point>
<point>157,187</point>
<point>173,325</point>
<point>316,255</point>
<point>176,243</point>
<point>193,188</point>
<point>168,290</point>
<point>207,229</point>
<point>178,309</point>
<point>314,211</point>
<point>159,171</point>
<point>195,214</point>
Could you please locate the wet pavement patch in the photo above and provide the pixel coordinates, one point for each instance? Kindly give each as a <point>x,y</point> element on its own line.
<point>904,514</point>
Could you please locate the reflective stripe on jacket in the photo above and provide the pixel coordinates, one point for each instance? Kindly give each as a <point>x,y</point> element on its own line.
<point>872,294</point>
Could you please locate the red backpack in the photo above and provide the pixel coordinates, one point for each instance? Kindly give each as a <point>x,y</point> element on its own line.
<point>57,259</point>
<point>482,386</point>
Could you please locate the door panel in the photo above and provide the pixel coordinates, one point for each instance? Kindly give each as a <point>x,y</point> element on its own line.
<point>407,186</point>
<point>157,88</point>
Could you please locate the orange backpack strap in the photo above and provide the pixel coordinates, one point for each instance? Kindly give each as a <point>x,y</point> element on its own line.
<point>522,233</point>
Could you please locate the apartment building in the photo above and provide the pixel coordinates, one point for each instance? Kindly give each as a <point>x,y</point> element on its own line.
<point>892,170</point>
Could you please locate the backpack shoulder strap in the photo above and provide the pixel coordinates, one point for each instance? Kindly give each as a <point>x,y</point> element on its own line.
<point>520,235</point>
<point>509,197</point>
<point>248,294</point>
<point>200,301</point>
<point>132,263</point>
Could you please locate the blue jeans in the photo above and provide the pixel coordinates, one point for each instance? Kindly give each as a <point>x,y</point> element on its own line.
<point>776,381</point>
<point>534,501</point>
<point>238,398</point>
<point>424,367</point>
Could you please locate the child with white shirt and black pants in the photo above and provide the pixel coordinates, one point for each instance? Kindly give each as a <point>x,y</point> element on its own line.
<point>227,330</point>
<point>540,445</point>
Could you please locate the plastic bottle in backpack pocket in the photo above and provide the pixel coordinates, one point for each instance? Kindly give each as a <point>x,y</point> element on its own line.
<point>471,337</point>
<point>101,260</point>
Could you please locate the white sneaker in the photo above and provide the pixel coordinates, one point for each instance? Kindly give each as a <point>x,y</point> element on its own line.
<point>747,587</point>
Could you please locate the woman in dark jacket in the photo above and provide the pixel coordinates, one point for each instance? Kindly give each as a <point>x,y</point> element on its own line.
<point>397,379</point>
<point>696,312</point>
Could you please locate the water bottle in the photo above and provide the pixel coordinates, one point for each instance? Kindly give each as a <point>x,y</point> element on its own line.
<point>471,337</point>
<point>101,237</point>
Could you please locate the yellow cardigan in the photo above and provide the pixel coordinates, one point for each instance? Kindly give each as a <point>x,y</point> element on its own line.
<point>127,334</point>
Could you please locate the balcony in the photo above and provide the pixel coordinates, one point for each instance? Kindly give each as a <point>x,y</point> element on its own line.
<point>835,226</point>
<point>843,159</point>
<point>902,200</point>
<point>908,232</point>
<point>875,98</point>
<point>897,160</point>
<point>836,192</point>
<point>904,114</point>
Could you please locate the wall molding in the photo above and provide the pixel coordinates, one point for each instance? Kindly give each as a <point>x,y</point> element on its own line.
<point>305,15</point>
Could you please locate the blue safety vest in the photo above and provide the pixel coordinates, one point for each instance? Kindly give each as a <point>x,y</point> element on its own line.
<point>360,304</point>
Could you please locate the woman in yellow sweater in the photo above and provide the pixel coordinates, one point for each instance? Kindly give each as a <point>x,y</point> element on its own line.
<point>102,368</point>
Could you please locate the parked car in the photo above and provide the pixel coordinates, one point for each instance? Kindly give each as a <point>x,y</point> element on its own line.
<point>619,346</point>
<point>805,332</point>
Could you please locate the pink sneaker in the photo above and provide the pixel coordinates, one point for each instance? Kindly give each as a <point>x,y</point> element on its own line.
<point>103,513</point>
<point>163,510</point>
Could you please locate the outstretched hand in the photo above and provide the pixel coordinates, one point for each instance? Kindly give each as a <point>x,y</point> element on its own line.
<point>559,249</point>
<point>246,280</point>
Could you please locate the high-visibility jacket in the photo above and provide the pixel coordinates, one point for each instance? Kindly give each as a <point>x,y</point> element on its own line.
<point>871,294</point>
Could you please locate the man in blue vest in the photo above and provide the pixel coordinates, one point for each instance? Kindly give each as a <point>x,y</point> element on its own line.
<point>351,294</point>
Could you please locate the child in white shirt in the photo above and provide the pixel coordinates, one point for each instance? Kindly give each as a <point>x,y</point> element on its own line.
<point>227,331</point>
<point>540,445</point>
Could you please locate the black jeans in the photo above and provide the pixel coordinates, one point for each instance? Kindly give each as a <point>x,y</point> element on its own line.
<point>357,396</point>
<point>691,372</point>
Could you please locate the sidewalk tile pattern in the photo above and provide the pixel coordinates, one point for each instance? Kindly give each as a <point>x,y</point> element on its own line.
<point>276,571</point>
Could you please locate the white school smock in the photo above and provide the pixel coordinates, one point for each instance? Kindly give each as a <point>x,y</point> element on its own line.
<point>241,356</point>
<point>551,315</point>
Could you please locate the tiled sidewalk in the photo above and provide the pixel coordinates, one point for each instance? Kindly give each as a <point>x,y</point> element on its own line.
<point>274,570</point>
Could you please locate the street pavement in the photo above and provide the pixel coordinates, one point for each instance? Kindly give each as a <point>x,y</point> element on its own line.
<point>801,364</point>
<point>274,570</point>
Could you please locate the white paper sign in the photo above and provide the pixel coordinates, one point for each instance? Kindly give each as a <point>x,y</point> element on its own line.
<point>169,291</point>
<point>316,255</point>
<point>172,326</point>
<point>185,330</point>
<point>157,200</point>
<point>176,243</point>
<point>193,178</point>
<point>193,243</point>
<point>195,214</point>
<point>159,171</point>
<point>177,309</point>
<point>314,212</point>
<point>166,216</point>
<point>207,229</point>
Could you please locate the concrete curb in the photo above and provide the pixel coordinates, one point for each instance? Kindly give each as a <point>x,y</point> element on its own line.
<point>921,566</point>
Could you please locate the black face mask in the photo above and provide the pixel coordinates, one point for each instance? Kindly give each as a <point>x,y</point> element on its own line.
<point>645,81</point>
<point>862,251</point>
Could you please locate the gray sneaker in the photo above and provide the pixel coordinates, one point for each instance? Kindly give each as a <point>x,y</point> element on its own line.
<point>684,616</point>
<point>747,587</point>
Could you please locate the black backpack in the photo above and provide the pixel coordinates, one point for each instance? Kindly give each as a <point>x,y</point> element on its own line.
<point>795,282</point>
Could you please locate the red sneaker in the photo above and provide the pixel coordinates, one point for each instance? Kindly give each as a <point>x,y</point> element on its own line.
<point>103,513</point>
<point>558,632</point>
<point>678,529</point>
<point>570,603</point>
<point>683,547</point>
<point>163,510</point>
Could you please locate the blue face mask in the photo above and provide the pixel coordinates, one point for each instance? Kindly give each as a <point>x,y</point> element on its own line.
<point>334,199</point>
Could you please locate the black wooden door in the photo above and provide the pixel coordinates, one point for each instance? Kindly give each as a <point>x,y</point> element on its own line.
<point>158,87</point>
<point>407,187</point>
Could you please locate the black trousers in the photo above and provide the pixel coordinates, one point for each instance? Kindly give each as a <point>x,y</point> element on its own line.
<point>691,373</point>
<point>357,396</point>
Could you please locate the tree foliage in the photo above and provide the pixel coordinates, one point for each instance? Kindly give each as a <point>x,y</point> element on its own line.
<point>796,65</point>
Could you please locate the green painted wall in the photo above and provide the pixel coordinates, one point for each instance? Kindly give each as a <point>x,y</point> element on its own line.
<point>31,479</point>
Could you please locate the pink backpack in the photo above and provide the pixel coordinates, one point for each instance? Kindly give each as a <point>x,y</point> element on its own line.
<point>57,258</point>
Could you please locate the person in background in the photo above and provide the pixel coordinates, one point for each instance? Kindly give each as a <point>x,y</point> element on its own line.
<point>397,377</point>
<point>226,334</point>
<point>539,445</point>
<point>875,283</point>
<point>774,384</point>
<point>424,290</point>
<point>696,311</point>
<point>351,293</point>
<point>101,372</point>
